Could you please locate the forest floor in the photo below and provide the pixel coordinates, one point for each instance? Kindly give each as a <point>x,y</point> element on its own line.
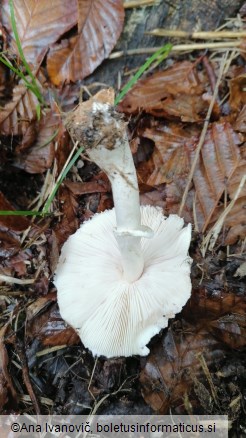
<point>187,135</point>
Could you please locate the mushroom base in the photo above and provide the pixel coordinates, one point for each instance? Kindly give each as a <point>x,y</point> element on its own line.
<point>114,317</point>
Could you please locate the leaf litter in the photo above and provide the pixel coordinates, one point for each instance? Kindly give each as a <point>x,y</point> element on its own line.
<point>196,365</point>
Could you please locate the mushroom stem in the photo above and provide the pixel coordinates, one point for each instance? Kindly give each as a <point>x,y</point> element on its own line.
<point>101,130</point>
<point>117,162</point>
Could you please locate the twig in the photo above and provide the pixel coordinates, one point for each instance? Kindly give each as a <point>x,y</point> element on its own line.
<point>8,279</point>
<point>202,136</point>
<point>208,376</point>
<point>25,373</point>
<point>178,48</point>
<point>197,35</point>
<point>92,374</point>
<point>27,399</point>
<point>138,3</point>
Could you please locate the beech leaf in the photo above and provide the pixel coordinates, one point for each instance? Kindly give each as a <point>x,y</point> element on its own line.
<point>170,156</point>
<point>99,26</point>
<point>16,115</point>
<point>40,24</point>
<point>176,92</point>
<point>172,366</point>
<point>40,156</point>
<point>217,161</point>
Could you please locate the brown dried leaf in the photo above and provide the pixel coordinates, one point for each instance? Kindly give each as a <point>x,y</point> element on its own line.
<point>98,184</point>
<point>39,305</point>
<point>13,224</point>
<point>29,137</point>
<point>171,153</point>
<point>69,222</point>
<point>237,93</point>
<point>39,24</point>
<point>223,315</point>
<point>45,323</point>
<point>175,92</point>
<point>218,160</point>
<point>9,245</point>
<point>17,115</point>
<point>238,174</point>
<point>235,220</point>
<point>40,156</point>
<point>99,26</point>
<point>52,252</point>
<point>174,193</point>
<point>68,96</point>
<point>170,368</point>
<point>240,124</point>
<point>207,308</point>
<point>12,257</point>
<point>231,329</point>
<point>154,197</point>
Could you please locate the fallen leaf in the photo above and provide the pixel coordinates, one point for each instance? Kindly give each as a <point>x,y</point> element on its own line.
<point>39,24</point>
<point>167,377</point>
<point>29,137</point>
<point>16,116</point>
<point>174,193</point>
<point>98,184</point>
<point>68,223</point>
<point>68,96</point>
<point>154,197</point>
<point>176,92</point>
<point>231,330</point>
<point>14,224</point>
<point>100,23</point>
<point>171,153</point>
<point>207,307</point>
<point>52,251</point>
<point>39,157</point>
<point>240,124</point>
<point>45,323</point>
<point>237,92</point>
<point>217,161</point>
<point>9,245</point>
<point>235,222</point>
<point>237,175</point>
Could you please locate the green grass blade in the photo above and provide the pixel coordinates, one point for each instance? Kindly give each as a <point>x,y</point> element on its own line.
<point>64,174</point>
<point>21,53</point>
<point>162,53</point>
<point>49,140</point>
<point>20,75</point>
<point>20,213</point>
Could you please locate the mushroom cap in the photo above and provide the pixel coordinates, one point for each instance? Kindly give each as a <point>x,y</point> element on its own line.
<point>112,316</point>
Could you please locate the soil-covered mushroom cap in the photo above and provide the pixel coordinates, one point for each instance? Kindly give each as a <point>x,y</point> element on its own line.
<point>115,317</point>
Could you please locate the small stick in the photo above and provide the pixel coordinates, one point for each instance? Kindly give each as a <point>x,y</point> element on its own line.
<point>8,279</point>
<point>177,48</point>
<point>138,3</point>
<point>197,35</point>
<point>25,373</point>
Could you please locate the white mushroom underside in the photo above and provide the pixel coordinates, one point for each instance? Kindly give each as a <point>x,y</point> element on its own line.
<point>114,317</point>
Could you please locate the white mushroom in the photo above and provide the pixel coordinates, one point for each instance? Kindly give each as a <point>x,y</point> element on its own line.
<point>125,272</point>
